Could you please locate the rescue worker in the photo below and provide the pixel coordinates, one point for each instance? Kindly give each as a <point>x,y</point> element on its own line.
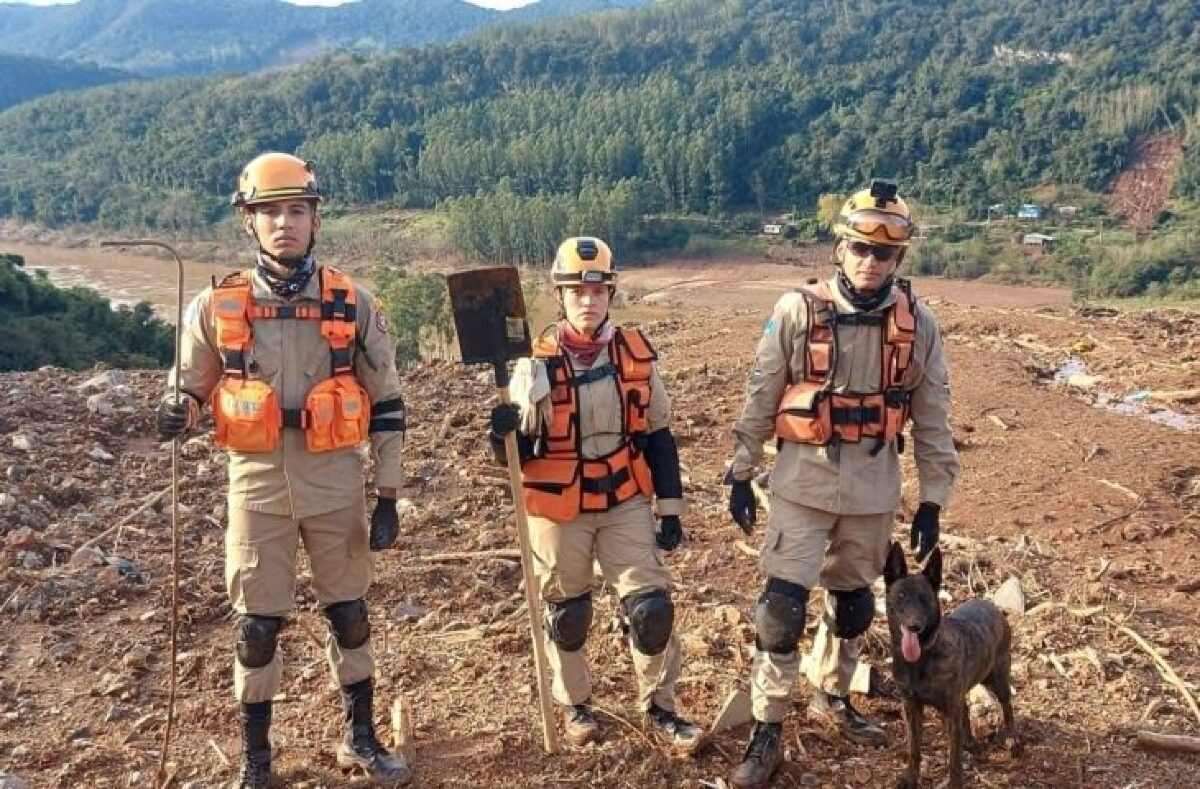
<point>841,367</point>
<point>595,443</point>
<point>296,362</point>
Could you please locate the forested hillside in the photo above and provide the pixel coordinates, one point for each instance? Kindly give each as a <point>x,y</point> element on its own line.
<point>173,37</point>
<point>23,78</point>
<point>74,327</point>
<point>695,105</point>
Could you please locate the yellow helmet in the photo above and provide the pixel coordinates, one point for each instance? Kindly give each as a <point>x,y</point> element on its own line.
<point>876,215</point>
<point>275,176</point>
<point>583,259</point>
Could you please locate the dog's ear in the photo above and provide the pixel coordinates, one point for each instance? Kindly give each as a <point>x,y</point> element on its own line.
<point>894,568</point>
<point>933,569</point>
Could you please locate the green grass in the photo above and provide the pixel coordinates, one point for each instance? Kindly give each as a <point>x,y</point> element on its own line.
<point>1147,303</point>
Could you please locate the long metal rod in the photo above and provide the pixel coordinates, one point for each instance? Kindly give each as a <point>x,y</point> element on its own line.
<point>161,779</point>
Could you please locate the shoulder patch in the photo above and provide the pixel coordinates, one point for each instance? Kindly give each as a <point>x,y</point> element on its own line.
<point>769,326</point>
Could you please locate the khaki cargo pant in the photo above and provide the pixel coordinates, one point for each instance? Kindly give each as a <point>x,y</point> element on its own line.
<point>260,577</point>
<point>812,547</point>
<point>622,542</point>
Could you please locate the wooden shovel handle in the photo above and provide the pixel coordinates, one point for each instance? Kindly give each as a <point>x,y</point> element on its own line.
<point>532,598</point>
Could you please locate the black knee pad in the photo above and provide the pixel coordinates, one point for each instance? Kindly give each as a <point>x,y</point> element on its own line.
<point>651,616</point>
<point>567,622</point>
<point>257,638</point>
<point>853,612</point>
<point>779,617</point>
<point>349,622</point>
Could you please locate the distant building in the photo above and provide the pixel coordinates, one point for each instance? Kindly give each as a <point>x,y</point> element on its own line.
<point>1037,240</point>
<point>1068,210</point>
<point>772,230</point>
<point>1031,211</point>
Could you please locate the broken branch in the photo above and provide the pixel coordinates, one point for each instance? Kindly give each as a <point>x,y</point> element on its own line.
<point>1168,742</point>
<point>1164,668</point>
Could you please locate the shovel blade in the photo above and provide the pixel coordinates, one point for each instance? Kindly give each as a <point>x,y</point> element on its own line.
<point>489,315</point>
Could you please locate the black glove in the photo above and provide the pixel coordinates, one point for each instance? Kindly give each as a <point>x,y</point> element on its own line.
<point>670,532</point>
<point>385,524</point>
<point>742,504</point>
<point>173,419</point>
<point>923,537</point>
<point>505,418</point>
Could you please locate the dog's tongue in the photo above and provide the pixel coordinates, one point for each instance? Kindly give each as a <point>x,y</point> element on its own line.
<point>910,647</point>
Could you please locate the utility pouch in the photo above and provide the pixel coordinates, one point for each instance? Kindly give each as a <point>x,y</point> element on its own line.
<point>338,413</point>
<point>804,414</point>
<point>552,488</point>
<point>247,416</point>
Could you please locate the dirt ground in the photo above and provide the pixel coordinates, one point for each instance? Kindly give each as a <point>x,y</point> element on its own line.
<point>1143,188</point>
<point>1096,512</point>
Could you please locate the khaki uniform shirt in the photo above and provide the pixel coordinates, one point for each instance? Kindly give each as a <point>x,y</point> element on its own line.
<point>848,481</point>
<point>293,357</point>
<point>599,410</point>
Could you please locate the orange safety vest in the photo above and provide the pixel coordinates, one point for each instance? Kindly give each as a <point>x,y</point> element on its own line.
<point>811,413</point>
<point>561,483</point>
<point>337,411</point>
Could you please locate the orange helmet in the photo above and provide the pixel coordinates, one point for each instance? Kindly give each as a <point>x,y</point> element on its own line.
<point>583,259</point>
<point>275,176</point>
<point>876,215</point>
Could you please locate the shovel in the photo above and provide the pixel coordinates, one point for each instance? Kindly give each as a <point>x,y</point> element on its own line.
<point>489,319</point>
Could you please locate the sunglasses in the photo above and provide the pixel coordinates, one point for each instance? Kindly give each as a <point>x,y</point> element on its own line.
<point>881,252</point>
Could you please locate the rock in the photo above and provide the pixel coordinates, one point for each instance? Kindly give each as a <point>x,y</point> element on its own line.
<point>7,502</point>
<point>22,538</point>
<point>22,442</point>
<point>984,712</point>
<point>10,781</point>
<point>136,657</point>
<point>87,557</point>
<point>115,713</point>
<point>102,382</point>
<point>101,404</point>
<point>125,568</point>
<point>99,455</point>
<point>82,733</point>
<point>64,651</point>
<point>1083,381</point>
<point>16,472</point>
<point>409,612</point>
<point>1009,597</point>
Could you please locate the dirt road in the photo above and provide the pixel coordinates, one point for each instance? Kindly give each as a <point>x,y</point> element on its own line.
<point>1097,513</point>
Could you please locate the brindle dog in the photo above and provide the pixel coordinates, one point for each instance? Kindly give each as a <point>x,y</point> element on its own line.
<point>937,661</point>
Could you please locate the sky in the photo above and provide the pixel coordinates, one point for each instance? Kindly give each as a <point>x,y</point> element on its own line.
<point>501,4</point>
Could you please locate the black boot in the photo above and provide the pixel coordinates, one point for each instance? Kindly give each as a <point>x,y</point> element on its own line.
<point>839,712</point>
<point>360,747</point>
<point>581,725</point>
<point>762,757</point>
<point>676,731</point>
<point>256,748</point>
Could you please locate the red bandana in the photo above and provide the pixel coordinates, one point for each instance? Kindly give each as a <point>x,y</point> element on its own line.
<point>585,349</point>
